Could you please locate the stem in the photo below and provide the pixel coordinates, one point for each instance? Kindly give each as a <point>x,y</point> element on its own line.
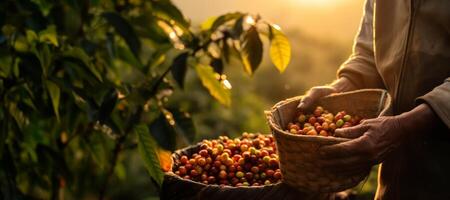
<point>117,150</point>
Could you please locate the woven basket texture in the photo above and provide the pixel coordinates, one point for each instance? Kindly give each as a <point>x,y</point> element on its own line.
<point>298,153</point>
<point>175,187</point>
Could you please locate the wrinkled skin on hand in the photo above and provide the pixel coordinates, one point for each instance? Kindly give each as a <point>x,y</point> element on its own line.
<point>374,139</point>
<point>315,93</point>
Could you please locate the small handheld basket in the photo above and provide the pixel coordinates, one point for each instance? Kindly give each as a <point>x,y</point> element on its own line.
<point>297,153</point>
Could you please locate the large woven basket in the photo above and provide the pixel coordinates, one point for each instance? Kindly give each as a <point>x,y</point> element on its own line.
<point>297,153</point>
<point>175,188</point>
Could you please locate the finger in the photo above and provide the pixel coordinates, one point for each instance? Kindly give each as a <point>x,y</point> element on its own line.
<point>304,103</point>
<point>351,132</point>
<point>344,149</point>
<point>314,94</point>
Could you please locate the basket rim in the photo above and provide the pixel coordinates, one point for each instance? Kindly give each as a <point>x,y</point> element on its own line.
<point>316,138</point>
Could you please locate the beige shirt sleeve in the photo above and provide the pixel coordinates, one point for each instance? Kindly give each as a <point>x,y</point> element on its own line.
<point>439,100</point>
<point>360,68</point>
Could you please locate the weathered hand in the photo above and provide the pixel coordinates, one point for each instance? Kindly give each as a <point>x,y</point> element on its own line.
<point>374,139</point>
<point>315,93</point>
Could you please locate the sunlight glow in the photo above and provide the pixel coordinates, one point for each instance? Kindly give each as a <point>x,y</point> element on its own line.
<point>226,84</point>
<point>276,26</point>
<point>249,20</point>
<point>321,3</point>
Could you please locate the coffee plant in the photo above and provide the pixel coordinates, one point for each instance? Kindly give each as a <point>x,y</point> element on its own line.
<point>82,81</point>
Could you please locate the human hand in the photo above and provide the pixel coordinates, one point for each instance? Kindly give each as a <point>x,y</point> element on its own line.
<point>374,139</point>
<point>315,93</point>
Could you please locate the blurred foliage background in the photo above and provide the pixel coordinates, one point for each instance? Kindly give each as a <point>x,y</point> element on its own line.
<point>86,84</point>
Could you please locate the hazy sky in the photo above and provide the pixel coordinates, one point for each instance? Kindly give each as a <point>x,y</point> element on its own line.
<point>334,19</point>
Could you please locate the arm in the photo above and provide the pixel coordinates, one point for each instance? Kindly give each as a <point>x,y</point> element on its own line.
<point>359,71</point>
<point>439,101</point>
<point>360,68</point>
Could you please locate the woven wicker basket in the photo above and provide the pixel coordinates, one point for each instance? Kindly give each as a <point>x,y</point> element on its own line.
<point>175,187</point>
<point>298,152</point>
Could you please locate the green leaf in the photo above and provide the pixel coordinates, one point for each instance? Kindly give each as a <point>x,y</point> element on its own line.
<point>184,125</point>
<point>238,27</point>
<point>225,18</point>
<point>169,12</point>
<point>163,131</point>
<point>179,68</point>
<point>54,92</point>
<point>45,6</point>
<point>215,88</point>
<point>207,24</point>
<point>125,30</point>
<point>147,149</point>
<point>45,57</point>
<point>79,54</point>
<point>31,36</point>
<point>49,35</point>
<point>280,49</point>
<point>126,55</point>
<point>252,50</point>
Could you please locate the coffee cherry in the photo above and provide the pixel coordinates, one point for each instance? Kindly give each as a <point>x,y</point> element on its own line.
<point>223,174</point>
<point>182,170</point>
<point>219,147</point>
<point>311,132</point>
<point>194,172</point>
<point>312,120</point>
<point>325,126</point>
<point>211,179</point>
<point>201,161</point>
<point>301,118</point>
<point>277,175</point>
<point>239,174</point>
<point>347,118</point>
<point>323,133</point>
<point>332,126</point>
<point>267,182</point>
<point>293,131</point>
<point>254,169</point>
<point>339,123</point>
<point>270,172</point>
<point>263,175</point>
<point>188,166</point>
<point>234,181</point>
<point>248,175</point>
<point>273,163</point>
<point>184,159</point>
<point>204,177</point>
<point>266,159</point>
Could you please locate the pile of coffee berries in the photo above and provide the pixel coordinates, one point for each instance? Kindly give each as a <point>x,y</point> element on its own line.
<point>247,161</point>
<point>321,122</point>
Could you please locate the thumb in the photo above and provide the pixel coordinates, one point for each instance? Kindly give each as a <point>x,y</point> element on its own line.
<point>351,132</point>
